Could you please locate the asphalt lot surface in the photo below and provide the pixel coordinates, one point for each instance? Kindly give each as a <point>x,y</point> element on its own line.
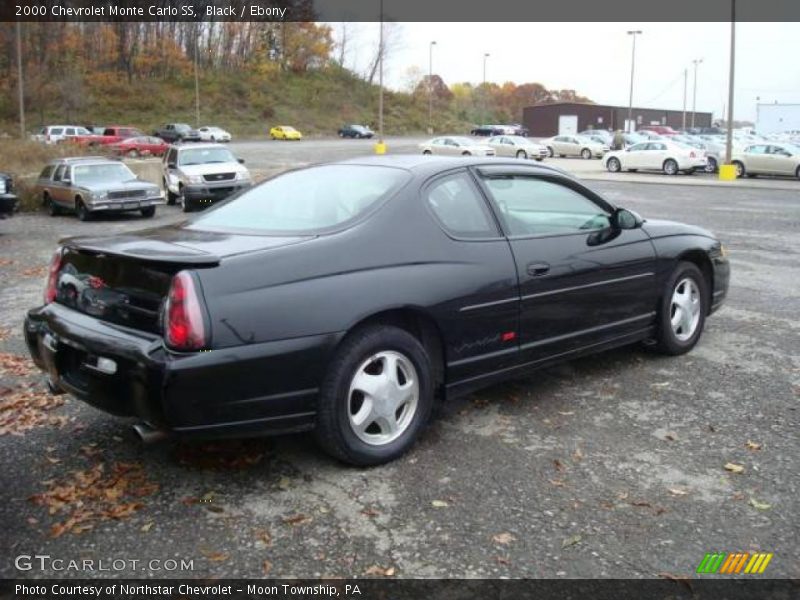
<point>609,466</point>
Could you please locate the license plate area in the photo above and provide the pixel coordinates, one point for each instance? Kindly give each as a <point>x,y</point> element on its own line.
<point>130,205</point>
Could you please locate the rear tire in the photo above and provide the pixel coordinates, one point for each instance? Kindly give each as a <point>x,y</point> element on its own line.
<point>148,212</point>
<point>132,153</point>
<point>427,152</point>
<point>171,198</point>
<point>683,310</point>
<point>52,208</point>
<point>740,170</point>
<point>711,165</point>
<point>550,152</point>
<point>363,355</point>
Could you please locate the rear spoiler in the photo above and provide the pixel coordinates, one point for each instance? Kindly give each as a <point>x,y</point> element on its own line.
<point>141,248</point>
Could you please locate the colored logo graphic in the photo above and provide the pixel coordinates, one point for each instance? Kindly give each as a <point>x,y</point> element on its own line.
<point>724,563</point>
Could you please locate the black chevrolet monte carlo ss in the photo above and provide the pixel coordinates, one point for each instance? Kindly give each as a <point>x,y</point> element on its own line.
<point>347,298</point>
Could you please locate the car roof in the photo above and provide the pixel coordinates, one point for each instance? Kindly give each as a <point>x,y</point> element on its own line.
<point>71,160</point>
<point>426,165</point>
<point>183,146</point>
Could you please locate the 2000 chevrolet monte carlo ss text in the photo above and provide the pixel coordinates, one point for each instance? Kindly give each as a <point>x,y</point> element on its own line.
<point>348,297</point>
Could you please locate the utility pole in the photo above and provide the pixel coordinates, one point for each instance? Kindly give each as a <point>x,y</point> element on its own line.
<point>19,83</point>
<point>696,62</point>
<point>634,33</point>
<point>196,82</point>
<point>430,87</point>
<point>380,80</point>
<point>483,87</point>
<point>729,136</point>
<point>685,78</point>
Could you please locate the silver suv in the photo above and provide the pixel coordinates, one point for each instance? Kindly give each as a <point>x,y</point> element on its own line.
<point>197,175</point>
<point>89,185</point>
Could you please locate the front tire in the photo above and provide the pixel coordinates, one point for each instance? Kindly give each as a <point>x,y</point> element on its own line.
<point>185,206</point>
<point>522,154</point>
<point>376,396</point>
<point>670,167</point>
<point>683,310</point>
<point>711,165</point>
<point>613,165</point>
<point>148,212</point>
<point>740,170</point>
<point>81,210</point>
<point>171,198</point>
<point>550,152</point>
<point>586,154</point>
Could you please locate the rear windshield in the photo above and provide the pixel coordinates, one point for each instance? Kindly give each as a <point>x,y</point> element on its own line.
<point>312,200</point>
<point>87,174</point>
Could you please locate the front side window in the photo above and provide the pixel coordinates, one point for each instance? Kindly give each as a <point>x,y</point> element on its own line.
<point>59,175</point>
<point>533,206</point>
<point>308,201</point>
<point>459,207</point>
<point>47,172</point>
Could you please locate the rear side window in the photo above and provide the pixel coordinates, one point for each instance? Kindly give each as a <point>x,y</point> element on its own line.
<point>313,200</point>
<point>47,172</point>
<point>56,130</point>
<point>459,208</point>
<point>60,172</point>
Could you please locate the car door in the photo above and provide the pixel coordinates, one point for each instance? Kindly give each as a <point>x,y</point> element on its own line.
<point>573,147</point>
<point>634,156</point>
<point>654,155</point>
<point>58,189</point>
<point>171,170</point>
<point>582,283</point>
<point>782,161</point>
<point>756,159</point>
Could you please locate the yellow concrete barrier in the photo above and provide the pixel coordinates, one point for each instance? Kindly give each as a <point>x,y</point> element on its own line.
<point>727,172</point>
<point>380,148</point>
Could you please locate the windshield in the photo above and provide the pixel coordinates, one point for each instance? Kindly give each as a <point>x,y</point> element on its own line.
<point>462,141</point>
<point>585,140</point>
<point>305,201</point>
<point>182,127</point>
<point>518,139</point>
<point>112,172</point>
<point>201,156</point>
<point>287,129</point>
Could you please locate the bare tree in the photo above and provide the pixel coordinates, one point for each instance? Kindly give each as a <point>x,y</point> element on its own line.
<point>392,41</point>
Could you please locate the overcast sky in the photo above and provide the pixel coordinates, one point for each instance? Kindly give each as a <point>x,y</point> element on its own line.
<point>595,59</point>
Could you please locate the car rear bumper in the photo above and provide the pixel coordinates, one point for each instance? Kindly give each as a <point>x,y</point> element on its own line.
<point>256,389</point>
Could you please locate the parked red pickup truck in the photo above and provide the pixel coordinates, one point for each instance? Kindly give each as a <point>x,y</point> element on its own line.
<point>110,135</point>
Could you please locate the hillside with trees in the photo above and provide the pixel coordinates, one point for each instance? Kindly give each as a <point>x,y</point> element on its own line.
<point>251,75</point>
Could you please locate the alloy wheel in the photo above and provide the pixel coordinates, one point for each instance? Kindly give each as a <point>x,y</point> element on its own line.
<point>383,398</point>
<point>684,309</point>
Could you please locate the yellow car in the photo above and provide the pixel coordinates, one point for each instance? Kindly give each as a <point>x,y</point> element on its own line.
<point>285,132</point>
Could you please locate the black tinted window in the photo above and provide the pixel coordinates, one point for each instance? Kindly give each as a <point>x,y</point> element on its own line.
<point>47,172</point>
<point>459,207</point>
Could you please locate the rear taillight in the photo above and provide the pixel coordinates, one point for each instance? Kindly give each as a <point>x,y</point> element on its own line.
<point>184,325</point>
<point>50,289</point>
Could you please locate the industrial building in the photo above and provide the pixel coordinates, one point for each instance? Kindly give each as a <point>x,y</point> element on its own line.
<point>563,118</point>
<point>777,118</point>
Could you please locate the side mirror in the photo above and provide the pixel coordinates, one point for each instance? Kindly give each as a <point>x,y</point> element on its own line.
<point>623,218</point>
<point>241,161</point>
<point>172,165</point>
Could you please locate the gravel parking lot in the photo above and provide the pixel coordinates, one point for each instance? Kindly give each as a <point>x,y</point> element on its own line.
<point>609,466</point>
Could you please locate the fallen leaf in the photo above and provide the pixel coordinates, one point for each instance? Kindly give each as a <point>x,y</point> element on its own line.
<point>264,536</point>
<point>734,468</point>
<point>147,526</point>
<point>670,436</point>
<point>376,570</point>
<point>370,512</point>
<point>678,492</point>
<point>266,567</point>
<point>571,541</point>
<point>577,456</point>
<point>711,428</point>
<point>215,556</point>
<point>297,519</point>
<point>502,560</point>
<point>285,483</point>
<point>566,413</point>
<point>32,521</point>
<point>503,538</point>
<point>641,503</point>
<point>53,460</point>
<point>390,572</point>
<point>440,504</point>
<point>558,465</point>
<point>759,505</point>
<point>557,483</point>
<point>751,445</point>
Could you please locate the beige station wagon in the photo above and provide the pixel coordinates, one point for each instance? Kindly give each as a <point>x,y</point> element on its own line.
<point>574,145</point>
<point>90,185</point>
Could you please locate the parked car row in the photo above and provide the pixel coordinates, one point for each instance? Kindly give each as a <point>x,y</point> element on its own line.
<point>495,130</point>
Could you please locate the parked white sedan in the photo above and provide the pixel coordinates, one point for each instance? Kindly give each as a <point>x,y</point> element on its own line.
<point>574,145</point>
<point>214,134</point>
<point>516,146</point>
<point>666,156</point>
<point>456,146</point>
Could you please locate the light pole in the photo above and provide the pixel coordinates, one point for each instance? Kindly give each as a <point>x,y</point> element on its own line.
<point>19,83</point>
<point>196,82</point>
<point>380,81</point>
<point>696,62</point>
<point>729,136</point>
<point>633,33</point>
<point>430,87</point>
<point>483,87</point>
<point>685,78</point>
